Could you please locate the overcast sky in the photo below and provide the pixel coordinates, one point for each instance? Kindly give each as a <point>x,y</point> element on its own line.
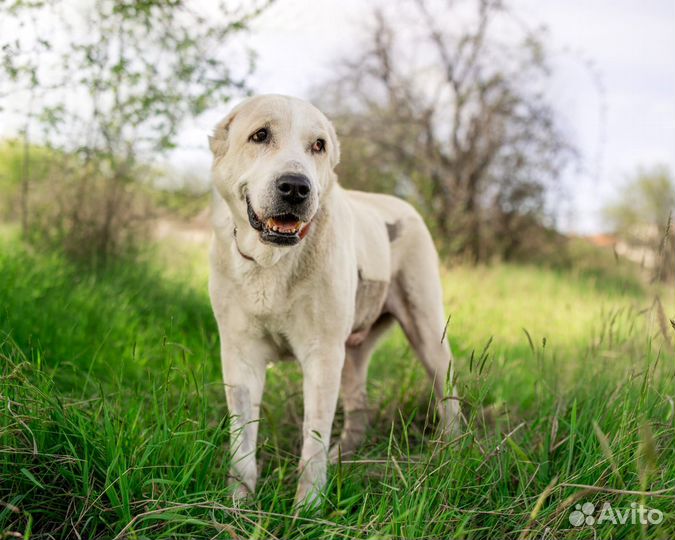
<point>613,83</point>
<point>620,53</point>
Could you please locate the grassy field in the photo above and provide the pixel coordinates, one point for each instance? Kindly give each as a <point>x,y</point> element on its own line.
<point>113,421</point>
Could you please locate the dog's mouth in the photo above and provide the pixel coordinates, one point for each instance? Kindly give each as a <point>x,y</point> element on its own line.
<point>283,229</point>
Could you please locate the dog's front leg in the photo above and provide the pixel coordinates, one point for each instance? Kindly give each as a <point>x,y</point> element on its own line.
<point>321,372</point>
<point>244,365</point>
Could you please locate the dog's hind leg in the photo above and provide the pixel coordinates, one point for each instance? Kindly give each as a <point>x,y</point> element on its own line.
<point>353,389</point>
<point>416,300</point>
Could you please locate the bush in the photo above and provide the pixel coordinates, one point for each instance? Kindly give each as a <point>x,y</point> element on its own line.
<point>93,220</point>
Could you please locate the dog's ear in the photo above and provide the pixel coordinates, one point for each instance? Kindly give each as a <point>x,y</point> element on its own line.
<point>334,150</point>
<point>218,141</point>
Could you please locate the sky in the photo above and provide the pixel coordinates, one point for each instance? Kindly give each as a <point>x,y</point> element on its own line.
<point>613,80</point>
<point>613,83</point>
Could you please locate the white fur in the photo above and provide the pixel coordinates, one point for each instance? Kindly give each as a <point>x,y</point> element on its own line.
<point>302,300</point>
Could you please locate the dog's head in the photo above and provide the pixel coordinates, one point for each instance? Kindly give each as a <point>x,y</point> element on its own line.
<point>273,161</point>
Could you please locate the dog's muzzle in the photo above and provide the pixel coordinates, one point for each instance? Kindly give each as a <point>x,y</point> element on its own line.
<point>282,229</point>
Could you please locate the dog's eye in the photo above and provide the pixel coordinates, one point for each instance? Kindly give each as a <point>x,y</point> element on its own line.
<point>259,136</point>
<point>319,146</point>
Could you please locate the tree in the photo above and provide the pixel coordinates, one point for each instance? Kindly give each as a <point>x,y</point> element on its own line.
<point>110,88</point>
<point>455,120</point>
<point>642,217</point>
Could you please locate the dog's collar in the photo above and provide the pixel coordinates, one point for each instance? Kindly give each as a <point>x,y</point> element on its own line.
<point>234,235</point>
<point>303,233</point>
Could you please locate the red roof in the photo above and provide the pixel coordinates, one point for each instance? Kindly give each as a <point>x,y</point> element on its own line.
<point>602,240</point>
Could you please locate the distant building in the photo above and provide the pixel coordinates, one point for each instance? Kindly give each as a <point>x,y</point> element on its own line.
<point>640,244</point>
<point>602,240</point>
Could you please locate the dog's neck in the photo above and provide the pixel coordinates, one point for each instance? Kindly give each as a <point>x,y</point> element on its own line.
<point>246,245</point>
<point>234,235</point>
<point>249,252</point>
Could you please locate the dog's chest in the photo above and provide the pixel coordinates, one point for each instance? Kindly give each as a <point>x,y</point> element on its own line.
<point>272,310</point>
<point>264,296</point>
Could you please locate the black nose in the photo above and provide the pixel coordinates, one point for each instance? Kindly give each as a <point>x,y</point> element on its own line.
<point>294,188</point>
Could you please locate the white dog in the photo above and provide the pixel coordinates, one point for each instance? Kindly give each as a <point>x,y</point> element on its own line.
<point>302,267</point>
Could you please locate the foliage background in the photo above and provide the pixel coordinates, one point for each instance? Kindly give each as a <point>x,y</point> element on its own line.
<point>112,418</point>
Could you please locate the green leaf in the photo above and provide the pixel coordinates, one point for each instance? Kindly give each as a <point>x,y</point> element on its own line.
<point>32,478</point>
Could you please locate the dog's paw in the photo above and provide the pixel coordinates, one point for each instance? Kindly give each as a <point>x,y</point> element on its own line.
<point>308,497</point>
<point>240,491</point>
<point>452,420</point>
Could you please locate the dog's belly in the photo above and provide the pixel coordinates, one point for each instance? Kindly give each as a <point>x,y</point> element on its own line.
<point>370,297</point>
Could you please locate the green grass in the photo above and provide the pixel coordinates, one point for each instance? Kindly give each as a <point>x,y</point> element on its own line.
<point>113,420</point>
